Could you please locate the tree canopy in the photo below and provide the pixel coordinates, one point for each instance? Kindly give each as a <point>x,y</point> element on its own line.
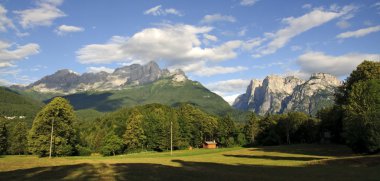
<point>58,114</point>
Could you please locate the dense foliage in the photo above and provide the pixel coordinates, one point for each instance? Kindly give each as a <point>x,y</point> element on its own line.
<point>58,116</point>
<point>355,119</point>
<point>3,136</point>
<point>13,104</point>
<point>293,127</point>
<point>18,139</point>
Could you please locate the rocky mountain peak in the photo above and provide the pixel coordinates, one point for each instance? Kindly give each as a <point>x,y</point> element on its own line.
<point>328,78</point>
<point>276,94</point>
<point>66,81</point>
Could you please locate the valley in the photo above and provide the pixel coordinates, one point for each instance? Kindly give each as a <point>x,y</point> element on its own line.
<point>189,90</point>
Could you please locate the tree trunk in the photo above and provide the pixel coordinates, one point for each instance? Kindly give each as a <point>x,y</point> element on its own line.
<point>287,137</point>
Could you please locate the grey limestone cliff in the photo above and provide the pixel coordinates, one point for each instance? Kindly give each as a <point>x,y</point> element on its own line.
<point>276,94</point>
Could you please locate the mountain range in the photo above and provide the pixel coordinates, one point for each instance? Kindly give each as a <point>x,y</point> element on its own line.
<point>68,82</point>
<point>143,84</point>
<point>276,94</point>
<point>126,86</point>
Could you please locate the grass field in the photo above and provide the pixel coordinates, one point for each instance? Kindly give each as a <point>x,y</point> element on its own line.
<point>295,162</point>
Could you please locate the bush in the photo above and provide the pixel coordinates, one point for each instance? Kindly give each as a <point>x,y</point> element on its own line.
<point>83,151</point>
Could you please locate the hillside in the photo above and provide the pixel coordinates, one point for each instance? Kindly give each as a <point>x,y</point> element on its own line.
<point>164,91</point>
<point>13,104</point>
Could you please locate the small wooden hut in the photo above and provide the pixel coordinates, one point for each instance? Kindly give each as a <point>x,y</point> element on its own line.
<point>209,144</point>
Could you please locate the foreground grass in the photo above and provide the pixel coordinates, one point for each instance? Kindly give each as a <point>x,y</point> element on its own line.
<point>295,162</point>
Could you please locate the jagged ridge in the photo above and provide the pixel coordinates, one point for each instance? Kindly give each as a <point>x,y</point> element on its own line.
<point>277,94</point>
<point>68,82</point>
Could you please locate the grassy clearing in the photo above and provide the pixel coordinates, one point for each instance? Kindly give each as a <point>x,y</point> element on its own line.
<point>295,162</point>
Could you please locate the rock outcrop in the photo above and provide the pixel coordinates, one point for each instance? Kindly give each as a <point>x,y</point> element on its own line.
<point>68,82</point>
<point>277,94</point>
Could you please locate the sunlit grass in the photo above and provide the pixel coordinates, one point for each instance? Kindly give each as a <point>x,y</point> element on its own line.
<point>312,162</point>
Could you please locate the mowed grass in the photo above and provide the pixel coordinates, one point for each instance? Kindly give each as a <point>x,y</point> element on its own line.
<point>293,162</point>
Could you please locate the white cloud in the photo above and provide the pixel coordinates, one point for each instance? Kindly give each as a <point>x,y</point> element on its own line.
<point>229,89</point>
<point>210,37</point>
<point>99,69</point>
<point>232,85</point>
<point>243,31</point>
<point>159,11</point>
<point>9,53</point>
<point>359,33</point>
<point>343,65</point>
<point>307,6</point>
<point>63,29</point>
<point>4,82</point>
<point>5,22</point>
<point>298,25</point>
<point>343,24</point>
<point>377,6</point>
<point>42,15</point>
<point>202,69</point>
<point>248,2</point>
<point>172,44</point>
<point>211,18</point>
<point>252,43</point>
<point>215,70</point>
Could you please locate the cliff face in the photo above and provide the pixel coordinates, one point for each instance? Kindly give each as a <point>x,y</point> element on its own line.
<point>68,82</point>
<point>276,94</point>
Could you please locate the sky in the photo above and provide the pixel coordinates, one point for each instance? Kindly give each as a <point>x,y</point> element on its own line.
<point>221,43</point>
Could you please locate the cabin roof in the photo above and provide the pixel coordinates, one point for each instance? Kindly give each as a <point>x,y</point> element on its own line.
<point>210,142</point>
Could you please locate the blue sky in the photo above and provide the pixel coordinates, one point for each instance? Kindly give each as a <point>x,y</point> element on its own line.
<point>222,44</point>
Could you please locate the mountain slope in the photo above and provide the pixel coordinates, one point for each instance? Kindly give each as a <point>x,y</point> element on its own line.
<point>68,82</point>
<point>277,94</point>
<point>164,91</point>
<point>13,104</point>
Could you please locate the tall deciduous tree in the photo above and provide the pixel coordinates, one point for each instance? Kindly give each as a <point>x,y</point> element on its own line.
<point>290,124</point>
<point>362,116</point>
<point>112,145</point>
<point>59,115</point>
<point>134,137</point>
<point>365,71</point>
<point>358,99</point>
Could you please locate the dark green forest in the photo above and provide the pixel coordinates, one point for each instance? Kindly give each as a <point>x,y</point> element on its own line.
<point>353,120</point>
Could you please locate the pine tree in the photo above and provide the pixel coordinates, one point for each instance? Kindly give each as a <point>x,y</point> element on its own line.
<point>226,131</point>
<point>134,137</point>
<point>251,129</point>
<point>19,138</point>
<point>3,136</point>
<point>58,116</point>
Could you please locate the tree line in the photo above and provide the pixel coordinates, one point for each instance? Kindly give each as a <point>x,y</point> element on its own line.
<point>354,120</point>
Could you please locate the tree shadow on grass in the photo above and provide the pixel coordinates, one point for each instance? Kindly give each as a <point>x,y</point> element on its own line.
<point>188,170</point>
<point>275,157</point>
<point>75,172</point>
<point>309,149</point>
<point>216,171</point>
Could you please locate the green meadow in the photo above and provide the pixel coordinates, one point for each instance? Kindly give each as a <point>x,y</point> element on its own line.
<point>293,162</point>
